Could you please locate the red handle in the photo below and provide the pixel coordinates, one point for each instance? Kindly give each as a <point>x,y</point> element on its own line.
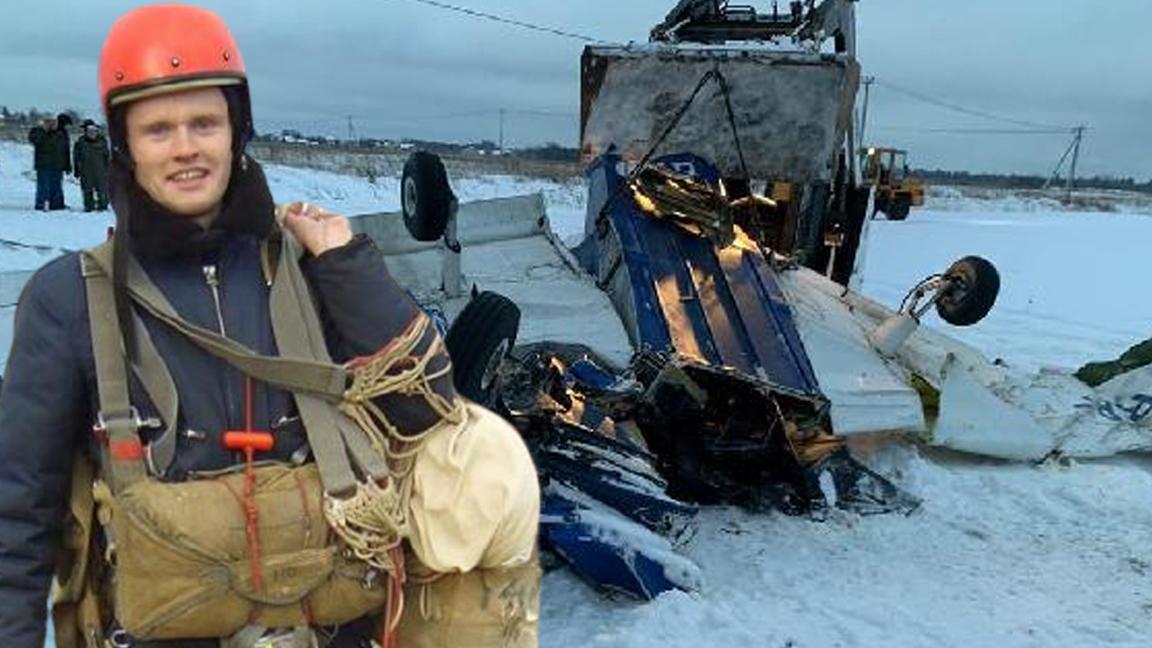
<point>262,441</point>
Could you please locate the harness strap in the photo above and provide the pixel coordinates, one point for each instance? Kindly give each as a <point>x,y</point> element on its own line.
<point>291,373</point>
<point>161,389</point>
<point>305,370</point>
<point>300,330</point>
<point>122,452</point>
<point>150,368</point>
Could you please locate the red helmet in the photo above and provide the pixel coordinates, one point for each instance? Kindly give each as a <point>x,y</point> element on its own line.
<point>160,48</point>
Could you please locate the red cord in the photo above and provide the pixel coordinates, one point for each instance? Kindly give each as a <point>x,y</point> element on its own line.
<point>395,598</point>
<point>253,528</point>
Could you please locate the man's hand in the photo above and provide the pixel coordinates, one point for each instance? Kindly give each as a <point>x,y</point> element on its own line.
<point>317,230</point>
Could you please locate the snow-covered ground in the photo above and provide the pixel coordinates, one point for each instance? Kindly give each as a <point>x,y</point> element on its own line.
<point>965,198</point>
<point>1000,554</point>
<point>1071,282</point>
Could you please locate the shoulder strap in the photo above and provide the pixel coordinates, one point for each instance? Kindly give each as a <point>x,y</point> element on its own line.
<point>293,373</point>
<point>149,367</point>
<point>117,418</point>
<point>296,326</point>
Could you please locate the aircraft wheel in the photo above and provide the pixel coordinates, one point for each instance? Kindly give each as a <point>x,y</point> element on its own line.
<point>973,285</point>
<point>478,341</point>
<point>425,196</point>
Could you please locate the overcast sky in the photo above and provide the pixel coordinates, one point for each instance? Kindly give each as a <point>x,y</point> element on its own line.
<point>404,69</point>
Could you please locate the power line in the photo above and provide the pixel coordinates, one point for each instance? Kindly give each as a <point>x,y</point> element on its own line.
<point>454,115</point>
<point>969,111</point>
<point>510,21</point>
<point>542,113</point>
<point>978,131</point>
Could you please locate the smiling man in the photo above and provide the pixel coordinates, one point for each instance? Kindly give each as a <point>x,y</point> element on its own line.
<point>181,147</point>
<point>261,421</point>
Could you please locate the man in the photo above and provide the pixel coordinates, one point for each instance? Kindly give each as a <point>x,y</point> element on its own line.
<point>90,165</point>
<point>52,160</point>
<point>198,273</point>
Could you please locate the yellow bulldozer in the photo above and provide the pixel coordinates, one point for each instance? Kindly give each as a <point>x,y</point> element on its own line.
<point>896,191</point>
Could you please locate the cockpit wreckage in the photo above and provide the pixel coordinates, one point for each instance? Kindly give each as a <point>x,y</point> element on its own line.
<point>703,342</point>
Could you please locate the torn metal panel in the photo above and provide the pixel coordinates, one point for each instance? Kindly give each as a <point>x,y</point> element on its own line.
<point>577,428</point>
<point>609,550</point>
<point>716,305</point>
<point>714,436</point>
<point>791,109</point>
<point>722,438</point>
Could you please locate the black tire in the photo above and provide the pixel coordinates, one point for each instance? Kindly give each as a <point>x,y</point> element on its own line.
<point>973,286</point>
<point>899,208</point>
<point>479,339</point>
<point>425,196</point>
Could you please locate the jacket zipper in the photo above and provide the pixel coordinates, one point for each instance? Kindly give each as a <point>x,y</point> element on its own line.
<point>212,278</point>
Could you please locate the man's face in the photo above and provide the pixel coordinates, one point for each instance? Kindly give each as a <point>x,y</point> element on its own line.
<point>181,145</point>
<point>50,124</point>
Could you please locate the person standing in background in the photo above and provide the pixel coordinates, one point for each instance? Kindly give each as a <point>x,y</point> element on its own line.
<point>90,165</point>
<point>61,150</point>
<point>41,139</point>
<point>52,160</point>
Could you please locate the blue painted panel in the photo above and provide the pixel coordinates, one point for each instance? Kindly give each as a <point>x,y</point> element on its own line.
<point>777,306</point>
<point>720,306</point>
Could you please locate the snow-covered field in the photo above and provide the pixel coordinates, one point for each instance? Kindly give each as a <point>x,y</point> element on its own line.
<point>962,198</point>
<point>1000,554</point>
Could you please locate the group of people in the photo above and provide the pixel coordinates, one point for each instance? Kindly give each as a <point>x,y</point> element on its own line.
<point>54,157</point>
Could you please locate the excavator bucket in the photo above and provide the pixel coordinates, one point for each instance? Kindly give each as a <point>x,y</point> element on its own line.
<point>789,111</point>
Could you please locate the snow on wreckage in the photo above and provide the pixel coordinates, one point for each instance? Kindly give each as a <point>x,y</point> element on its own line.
<point>700,344</point>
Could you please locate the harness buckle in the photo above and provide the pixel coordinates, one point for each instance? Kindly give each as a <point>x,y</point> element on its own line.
<point>130,449</point>
<point>100,428</point>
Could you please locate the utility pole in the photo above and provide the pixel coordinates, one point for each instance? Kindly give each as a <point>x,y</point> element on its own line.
<point>1074,151</point>
<point>1075,158</point>
<point>868,81</point>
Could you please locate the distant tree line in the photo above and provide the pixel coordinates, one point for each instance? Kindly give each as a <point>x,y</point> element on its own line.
<point>1017,181</point>
<point>35,116</point>
<point>550,152</point>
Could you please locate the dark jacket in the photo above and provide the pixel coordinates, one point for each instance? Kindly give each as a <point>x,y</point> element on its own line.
<point>90,159</point>
<point>48,400</point>
<point>52,152</point>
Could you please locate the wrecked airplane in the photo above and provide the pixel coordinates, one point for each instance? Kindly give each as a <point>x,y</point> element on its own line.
<point>704,341</point>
